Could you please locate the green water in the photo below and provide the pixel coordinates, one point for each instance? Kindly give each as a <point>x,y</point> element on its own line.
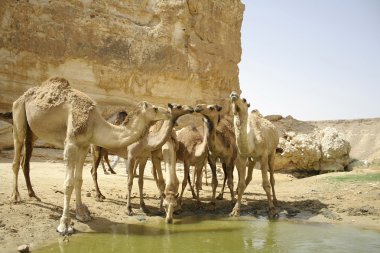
<point>221,235</point>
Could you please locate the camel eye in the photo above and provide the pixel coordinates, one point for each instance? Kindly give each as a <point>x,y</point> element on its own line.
<point>179,107</point>
<point>244,100</point>
<point>155,109</point>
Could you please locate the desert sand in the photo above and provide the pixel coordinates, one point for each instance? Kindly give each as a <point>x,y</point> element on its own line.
<point>341,197</point>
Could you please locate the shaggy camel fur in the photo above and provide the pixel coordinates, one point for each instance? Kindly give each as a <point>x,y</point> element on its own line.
<point>192,151</point>
<point>221,145</point>
<point>257,140</point>
<point>67,118</point>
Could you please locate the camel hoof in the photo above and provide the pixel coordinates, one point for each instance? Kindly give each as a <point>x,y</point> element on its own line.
<point>99,198</point>
<point>235,212</point>
<point>33,195</point>
<point>15,198</point>
<point>273,214</point>
<point>129,211</point>
<point>219,197</point>
<point>112,172</point>
<point>64,227</point>
<point>106,173</point>
<point>82,213</point>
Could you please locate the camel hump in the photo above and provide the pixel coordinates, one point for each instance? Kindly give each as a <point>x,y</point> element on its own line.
<point>61,82</point>
<point>256,112</point>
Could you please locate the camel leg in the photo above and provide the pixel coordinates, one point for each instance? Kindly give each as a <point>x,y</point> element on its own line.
<point>28,150</point>
<point>220,196</point>
<point>70,155</point>
<point>198,181</point>
<point>141,184</point>
<point>96,157</point>
<point>102,157</point>
<point>272,181</point>
<point>251,166</point>
<point>266,186</point>
<point>105,156</point>
<point>205,168</point>
<point>186,169</point>
<point>230,180</point>
<point>191,185</point>
<point>157,174</point>
<point>240,164</point>
<point>214,182</point>
<point>82,212</point>
<point>19,134</point>
<point>130,162</point>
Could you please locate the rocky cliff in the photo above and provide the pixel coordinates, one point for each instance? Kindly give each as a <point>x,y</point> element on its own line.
<point>122,52</point>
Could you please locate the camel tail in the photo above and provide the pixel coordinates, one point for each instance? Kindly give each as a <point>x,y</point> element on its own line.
<point>7,117</point>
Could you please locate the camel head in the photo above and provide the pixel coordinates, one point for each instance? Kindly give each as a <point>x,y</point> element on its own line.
<point>179,110</point>
<point>238,105</point>
<point>208,110</point>
<point>170,204</point>
<point>152,112</point>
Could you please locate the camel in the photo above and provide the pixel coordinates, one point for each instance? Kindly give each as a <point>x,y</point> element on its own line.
<point>138,153</point>
<point>221,145</point>
<point>257,140</point>
<point>115,119</point>
<point>69,119</point>
<point>170,195</point>
<point>192,151</point>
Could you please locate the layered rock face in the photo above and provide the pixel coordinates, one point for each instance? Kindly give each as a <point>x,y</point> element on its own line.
<point>122,52</point>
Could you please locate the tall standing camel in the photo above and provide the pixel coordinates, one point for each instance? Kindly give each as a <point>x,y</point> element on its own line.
<point>221,145</point>
<point>68,118</point>
<point>257,140</point>
<point>192,151</point>
<point>138,153</point>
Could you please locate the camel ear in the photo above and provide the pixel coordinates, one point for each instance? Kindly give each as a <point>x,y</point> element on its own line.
<point>219,108</point>
<point>170,105</point>
<point>145,105</point>
<point>248,104</point>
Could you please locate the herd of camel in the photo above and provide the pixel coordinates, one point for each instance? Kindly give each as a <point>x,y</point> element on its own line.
<point>65,117</point>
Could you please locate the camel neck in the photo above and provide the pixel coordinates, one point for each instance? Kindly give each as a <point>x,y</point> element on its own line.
<point>110,136</point>
<point>206,132</point>
<point>211,135</point>
<point>245,147</point>
<point>156,140</point>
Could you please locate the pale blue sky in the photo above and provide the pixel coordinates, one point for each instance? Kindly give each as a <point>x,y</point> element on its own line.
<point>312,59</point>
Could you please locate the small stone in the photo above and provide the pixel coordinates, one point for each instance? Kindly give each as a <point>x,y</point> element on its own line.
<point>23,248</point>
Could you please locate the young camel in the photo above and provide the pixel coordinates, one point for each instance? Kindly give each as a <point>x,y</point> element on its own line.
<point>192,151</point>
<point>138,153</point>
<point>69,119</point>
<point>257,140</point>
<point>221,145</point>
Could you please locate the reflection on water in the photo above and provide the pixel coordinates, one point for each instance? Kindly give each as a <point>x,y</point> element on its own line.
<point>200,235</point>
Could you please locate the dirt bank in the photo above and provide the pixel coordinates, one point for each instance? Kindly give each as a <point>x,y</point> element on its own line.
<point>345,197</point>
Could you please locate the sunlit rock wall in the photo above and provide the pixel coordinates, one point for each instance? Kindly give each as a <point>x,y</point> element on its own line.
<point>122,52</point>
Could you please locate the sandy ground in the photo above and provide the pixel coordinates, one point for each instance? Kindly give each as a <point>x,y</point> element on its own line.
<point>319,198</point>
